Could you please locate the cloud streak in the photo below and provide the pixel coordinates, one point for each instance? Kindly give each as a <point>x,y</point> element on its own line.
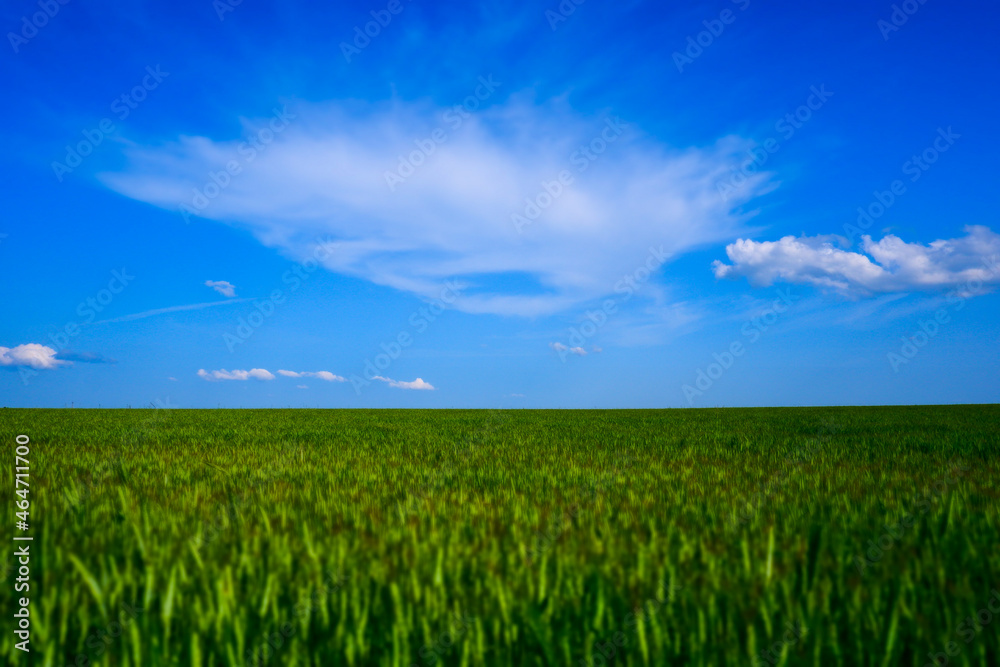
<point>223,374</point>
<point>85,357</point>
<point>171,309</point>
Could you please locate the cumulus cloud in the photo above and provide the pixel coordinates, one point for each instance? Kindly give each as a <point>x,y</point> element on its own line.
<point>325,176</point>
<point>223,287</point>
<point>889,265</point>
<point>31,355</point>
<point>215,376</point>
<point>322,375</point>
<point>416,384</point>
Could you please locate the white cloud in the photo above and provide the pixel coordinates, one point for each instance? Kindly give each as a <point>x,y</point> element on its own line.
<point>215,376</point>
<point>559,347</point>
<point>890,265</point>
<point>31,355</point>
<point>322,375</point>
<point>223,287</point>
<point>416,384</point>
<point>325,175</point>
<point>301,386</point>
<point>328,376</point>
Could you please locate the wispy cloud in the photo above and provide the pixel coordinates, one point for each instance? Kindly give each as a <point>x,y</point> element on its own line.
<point>85,357</point>
<point>327,174</point>
<point>171,309</point>
<point>223,287</point>
<point>321,375</point>
<point>223,374</point>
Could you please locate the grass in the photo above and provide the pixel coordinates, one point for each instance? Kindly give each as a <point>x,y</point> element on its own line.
<point>695,537</point>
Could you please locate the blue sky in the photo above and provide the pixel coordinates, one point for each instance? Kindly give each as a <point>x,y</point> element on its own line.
<point>477,205</point>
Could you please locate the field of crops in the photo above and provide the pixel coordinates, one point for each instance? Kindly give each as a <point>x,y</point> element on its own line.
<point>833,536</point>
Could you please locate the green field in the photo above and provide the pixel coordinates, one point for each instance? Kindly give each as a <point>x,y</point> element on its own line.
<point>692,537</point>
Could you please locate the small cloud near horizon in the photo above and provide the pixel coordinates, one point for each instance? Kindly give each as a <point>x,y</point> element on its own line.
<point>321,375</point>
<point>223,374</point>
<point>418,384</point>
